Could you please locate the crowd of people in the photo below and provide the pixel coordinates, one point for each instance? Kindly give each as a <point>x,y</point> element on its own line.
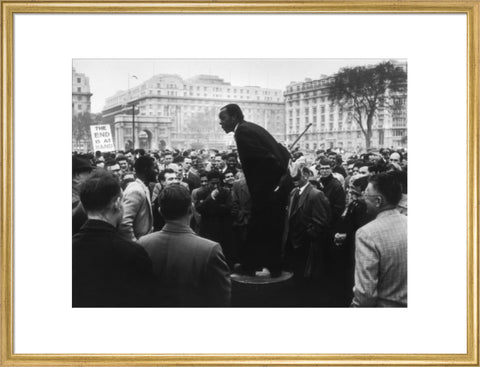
<point>169,228</point>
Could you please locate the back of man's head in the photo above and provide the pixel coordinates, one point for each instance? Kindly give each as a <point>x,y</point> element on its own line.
<point>98,191</point>
<point>174,202</point>
<point>178,159</point>
<point>140,152</point>
<point>142,164</point>
<point>214,175</point>
<point>387,185</point>
<point>234,110</point>
<point>80,164</point>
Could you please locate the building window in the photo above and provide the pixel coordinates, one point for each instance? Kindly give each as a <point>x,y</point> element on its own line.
<point>322,118</point>
<point>322,109</point>
<point>79,80</point>
<point>79,89</point>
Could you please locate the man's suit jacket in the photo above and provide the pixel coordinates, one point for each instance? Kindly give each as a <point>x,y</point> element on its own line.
<point>307,226</point>
<point>193,180</point>
<point>310,220</point>
<point>110,271</point>
<point>263,159</point>
<point>192,268</point>
<point>381,262</point>
<point>241,203</point>
<point>137,211</point>
<point>333,190</point>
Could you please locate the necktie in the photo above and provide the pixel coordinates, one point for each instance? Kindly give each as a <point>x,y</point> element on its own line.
<point>296,196</point>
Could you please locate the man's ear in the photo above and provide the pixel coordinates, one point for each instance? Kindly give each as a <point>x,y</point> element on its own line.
<point>117,203</point>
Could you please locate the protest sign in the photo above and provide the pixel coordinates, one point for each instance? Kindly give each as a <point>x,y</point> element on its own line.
<point>102,138</point>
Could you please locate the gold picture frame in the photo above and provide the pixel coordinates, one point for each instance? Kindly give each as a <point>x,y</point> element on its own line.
<point>471,8</point>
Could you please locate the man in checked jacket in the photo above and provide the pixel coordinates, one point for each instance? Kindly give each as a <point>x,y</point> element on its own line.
<point>381,248</point>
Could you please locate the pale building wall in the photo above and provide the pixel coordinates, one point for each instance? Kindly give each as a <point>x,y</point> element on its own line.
<point>81,94</point>
<point>332,127</point>
<point>181,100</point>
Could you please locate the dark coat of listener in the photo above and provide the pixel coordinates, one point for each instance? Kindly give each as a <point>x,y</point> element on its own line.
<point>306,230</point>
<point>109,270</point>
<point>192,180</point>
<point>354,217</point>
<point>217,220</point>
<point>335,194</point>
<point>79,217</point>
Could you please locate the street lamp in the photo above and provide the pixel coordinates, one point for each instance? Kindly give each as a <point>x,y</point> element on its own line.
<point>133,110</point>
<point>133,105</point>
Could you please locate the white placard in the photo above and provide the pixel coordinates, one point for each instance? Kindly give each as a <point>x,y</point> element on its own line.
<point>102,138</point>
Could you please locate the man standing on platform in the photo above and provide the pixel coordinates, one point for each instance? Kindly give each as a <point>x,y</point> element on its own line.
<point>264,162</point>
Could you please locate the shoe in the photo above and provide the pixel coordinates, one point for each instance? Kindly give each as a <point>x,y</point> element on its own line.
<point>262,273</point>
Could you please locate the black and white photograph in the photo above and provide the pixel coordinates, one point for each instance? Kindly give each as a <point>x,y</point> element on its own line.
<point>239,183</point>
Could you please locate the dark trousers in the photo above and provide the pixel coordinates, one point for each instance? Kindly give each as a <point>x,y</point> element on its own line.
<point>262,245</point>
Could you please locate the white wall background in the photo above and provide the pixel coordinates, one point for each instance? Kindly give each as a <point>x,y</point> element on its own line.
<point>435,321</point>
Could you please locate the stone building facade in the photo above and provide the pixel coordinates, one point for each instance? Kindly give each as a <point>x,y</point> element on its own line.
<point>333,127</point>
<point>186,110</point>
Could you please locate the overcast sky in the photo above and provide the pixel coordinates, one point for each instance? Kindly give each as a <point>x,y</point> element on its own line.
<point>107,76</point>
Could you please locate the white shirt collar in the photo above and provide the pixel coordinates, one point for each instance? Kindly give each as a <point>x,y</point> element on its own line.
<point>300,191</point>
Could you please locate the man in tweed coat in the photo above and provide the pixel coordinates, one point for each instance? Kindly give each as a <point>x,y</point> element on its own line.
<point>381,248</point>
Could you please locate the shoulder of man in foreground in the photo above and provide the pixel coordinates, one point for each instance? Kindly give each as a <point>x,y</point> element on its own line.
<point>162,235</point>
<point>380,223</point>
